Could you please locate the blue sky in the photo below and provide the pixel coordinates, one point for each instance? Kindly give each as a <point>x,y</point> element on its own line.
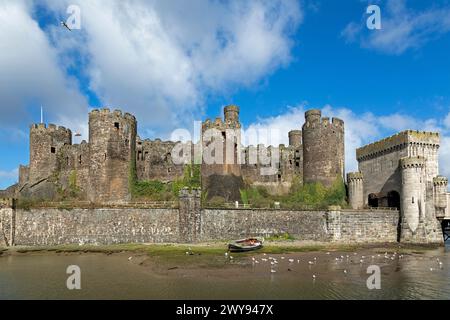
<point>172,62</point>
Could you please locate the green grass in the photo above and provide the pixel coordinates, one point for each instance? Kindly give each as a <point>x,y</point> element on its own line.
<point>301,196</point>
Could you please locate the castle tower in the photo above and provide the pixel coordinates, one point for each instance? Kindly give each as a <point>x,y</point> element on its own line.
<point>416,225</point>
<point>355,190</point>
<point>440,195</point>
<point>295,138</point>
<point>231,115</point>
<point>45,142</point>
<point>221,152</point>
<point>323,149</point>
<point>112,144</point>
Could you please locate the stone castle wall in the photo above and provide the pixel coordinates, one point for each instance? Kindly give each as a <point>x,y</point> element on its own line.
<point>192,224</point>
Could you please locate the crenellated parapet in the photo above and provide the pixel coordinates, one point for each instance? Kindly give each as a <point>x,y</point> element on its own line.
<point>412,162</point>
<point>399,141</point>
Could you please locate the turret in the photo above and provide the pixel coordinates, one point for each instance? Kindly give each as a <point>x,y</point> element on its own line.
<point>231,114</point>
<point>355,190</point>
<point>295,138</point>
<point>440,195</point>
<point>45,143</point>
<point>323,149</point>
<point>412,197</point>
<point>112,145</point>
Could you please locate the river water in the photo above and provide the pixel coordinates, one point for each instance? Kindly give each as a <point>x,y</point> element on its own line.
<point>338,275</point>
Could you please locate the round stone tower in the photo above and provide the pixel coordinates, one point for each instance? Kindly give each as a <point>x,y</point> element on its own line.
<point>323,149</point>
<point>231,114</point>
<point>412,197</point>
<point>355,190</point>
<point>112,145</point>
<point>440,195</point>
<point>295,138</point>
<point>45,143</point>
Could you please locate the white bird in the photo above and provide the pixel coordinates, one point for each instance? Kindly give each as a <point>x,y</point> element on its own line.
<point>345,271</point>
<point>129,259</point>
<point>431,269</point>
<point>263,259</point>
<point>282,258</point>
<point>314,276</point>
<point>226,254</point>
<point>310,262</point>
<point>231,257</point>
<point>327,253</point>
<point>361,260</point>
<point>298,261</point>
<point>291,260</point>
<point>256,261</point>
<point>272,271</point>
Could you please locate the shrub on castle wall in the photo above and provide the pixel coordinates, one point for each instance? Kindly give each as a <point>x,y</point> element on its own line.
<point>301,196</point>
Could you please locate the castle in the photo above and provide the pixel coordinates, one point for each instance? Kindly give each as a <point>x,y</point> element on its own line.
<point>399,172</point>
<point>101,169</point>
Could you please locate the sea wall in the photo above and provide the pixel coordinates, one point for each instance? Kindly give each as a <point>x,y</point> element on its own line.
<point>95,226</point>
<point>191,224</point>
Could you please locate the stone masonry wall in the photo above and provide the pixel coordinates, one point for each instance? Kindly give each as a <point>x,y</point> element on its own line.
<point>232,224</point>
<point>109,226</point>
<point>95,226</point>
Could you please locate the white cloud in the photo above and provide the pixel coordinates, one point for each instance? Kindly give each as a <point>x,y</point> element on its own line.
<point>161,59</point>
<point>8,178</point>
<point>402,28</point>
<point>30,75</point>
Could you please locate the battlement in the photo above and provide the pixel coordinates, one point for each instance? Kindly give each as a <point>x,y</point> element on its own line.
<point>440,181</point>
<point>412,162</point>
<point>7,202</point>
<point>353,176</point>
<point>42,127</point>
<point>116,113</point>
<point>314,117</point>
<point>398,141</point>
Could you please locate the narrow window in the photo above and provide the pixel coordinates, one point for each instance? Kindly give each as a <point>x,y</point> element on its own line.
<point>297,164</point>
<point>53,150</point>
<point>116,125</point>
<point>79,159</point>
<point>412,199</point>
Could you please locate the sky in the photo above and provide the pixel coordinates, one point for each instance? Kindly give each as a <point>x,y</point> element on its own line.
<point>174,62</point>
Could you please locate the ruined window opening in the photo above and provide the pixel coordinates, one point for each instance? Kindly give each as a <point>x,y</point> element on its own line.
<point>169,170</point>
<point>139,155</point>
<point>79,160</point>
<point>116,125</point>
<point>412,199</point>
<point>53,150</point>
<point>297,164</point>
<point>279,177</point>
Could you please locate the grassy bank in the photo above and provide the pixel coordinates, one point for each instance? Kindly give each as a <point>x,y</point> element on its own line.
<point>210,249</point>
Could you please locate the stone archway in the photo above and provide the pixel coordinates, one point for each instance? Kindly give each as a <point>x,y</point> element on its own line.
<point>393,199</point>
<point>373,200</point>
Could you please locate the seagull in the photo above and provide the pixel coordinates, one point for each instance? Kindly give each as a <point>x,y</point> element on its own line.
<point>272,271</point>
<point>291,260</point>
<point>310,262</point>
<point>65,25</point>
<point>129,259</point>
<point>314,276</point>
<point>345,271</point>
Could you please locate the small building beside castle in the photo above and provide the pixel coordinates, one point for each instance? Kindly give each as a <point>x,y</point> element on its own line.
<point>402,171</point>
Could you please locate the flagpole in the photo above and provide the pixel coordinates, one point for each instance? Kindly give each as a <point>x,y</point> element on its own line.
<point>42,115</point>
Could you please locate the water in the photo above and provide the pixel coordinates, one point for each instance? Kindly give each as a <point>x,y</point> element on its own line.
<point>116,277</point>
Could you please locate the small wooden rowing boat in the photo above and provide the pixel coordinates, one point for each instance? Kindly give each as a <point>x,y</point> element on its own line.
<point>243,245</point>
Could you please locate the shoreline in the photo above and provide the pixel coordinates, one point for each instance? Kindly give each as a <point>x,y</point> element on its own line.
<point>210,248</point>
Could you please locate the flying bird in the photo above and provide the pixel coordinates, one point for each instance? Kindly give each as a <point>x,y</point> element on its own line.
<point>65,25</point>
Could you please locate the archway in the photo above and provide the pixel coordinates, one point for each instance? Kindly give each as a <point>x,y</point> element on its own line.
<point>393,199</point>
<point>373,200</point>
